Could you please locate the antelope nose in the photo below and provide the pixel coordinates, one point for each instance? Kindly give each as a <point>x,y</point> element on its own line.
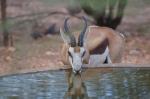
<point>77,71</point>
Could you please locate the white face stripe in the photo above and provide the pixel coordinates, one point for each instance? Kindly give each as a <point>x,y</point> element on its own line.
<point>71,49</point>
<point>82,49</point>
<point>76,58</point>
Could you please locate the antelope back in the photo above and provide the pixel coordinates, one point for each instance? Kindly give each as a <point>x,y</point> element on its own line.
<point>115,42</point>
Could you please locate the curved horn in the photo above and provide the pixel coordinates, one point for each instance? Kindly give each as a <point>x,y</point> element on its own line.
<point>66,30</point>
<point>82,34</point>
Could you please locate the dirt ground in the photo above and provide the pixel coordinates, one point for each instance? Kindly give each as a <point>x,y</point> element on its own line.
<point>44,54</point>
<point>136,52</point>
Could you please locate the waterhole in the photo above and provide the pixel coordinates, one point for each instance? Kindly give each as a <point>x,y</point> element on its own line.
<point>118,83</point>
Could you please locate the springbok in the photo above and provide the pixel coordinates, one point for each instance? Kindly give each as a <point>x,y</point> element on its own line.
<point>101,45</point>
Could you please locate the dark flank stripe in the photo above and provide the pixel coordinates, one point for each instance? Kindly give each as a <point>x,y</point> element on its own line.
<point>100,49</point>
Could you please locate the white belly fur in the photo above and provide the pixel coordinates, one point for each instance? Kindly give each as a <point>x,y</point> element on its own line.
<point>100,58</point>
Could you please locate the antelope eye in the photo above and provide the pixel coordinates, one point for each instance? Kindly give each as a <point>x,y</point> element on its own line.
<point>69,54</point>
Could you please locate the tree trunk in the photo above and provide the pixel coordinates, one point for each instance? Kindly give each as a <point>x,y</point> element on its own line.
<point>109,13</point>
<point>4,23</point>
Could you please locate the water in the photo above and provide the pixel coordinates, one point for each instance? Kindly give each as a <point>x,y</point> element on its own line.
<point>92,84</point>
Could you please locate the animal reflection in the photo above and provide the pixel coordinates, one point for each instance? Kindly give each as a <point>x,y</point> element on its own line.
<point>76,87</point>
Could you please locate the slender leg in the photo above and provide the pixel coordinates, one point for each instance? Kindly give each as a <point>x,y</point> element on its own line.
<point>109,60</point>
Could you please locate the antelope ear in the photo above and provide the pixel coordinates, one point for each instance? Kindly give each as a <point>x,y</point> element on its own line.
<point>65,36</point>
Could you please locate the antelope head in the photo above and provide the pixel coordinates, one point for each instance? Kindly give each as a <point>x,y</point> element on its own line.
<point>76,47</point>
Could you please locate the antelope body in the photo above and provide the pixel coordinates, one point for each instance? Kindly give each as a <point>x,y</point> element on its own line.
<point>93,45</point>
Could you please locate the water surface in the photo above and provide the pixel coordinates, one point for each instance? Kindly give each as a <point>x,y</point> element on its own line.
<point>115,83</point>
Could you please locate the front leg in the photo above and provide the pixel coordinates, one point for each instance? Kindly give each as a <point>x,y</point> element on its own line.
<point>107,60</point>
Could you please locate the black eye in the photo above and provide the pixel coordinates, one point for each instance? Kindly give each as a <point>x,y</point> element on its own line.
<point>83,53</point>
<point>69,54</point>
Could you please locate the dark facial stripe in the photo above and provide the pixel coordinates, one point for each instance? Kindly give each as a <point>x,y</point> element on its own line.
<point>83,53</point>
<point>70,55</point>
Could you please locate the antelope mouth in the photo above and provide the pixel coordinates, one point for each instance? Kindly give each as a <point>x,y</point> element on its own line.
<point>77,71</point>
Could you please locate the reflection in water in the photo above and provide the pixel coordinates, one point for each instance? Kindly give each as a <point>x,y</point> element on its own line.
<point>76,87</point>
<point>91,84</point>
<point>76,83</point>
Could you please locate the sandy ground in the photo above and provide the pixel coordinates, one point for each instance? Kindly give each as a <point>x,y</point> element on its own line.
<point>136,52</point>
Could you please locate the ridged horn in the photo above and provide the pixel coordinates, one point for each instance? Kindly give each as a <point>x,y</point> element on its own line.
<point>82,34</point>
<point>66,30</point>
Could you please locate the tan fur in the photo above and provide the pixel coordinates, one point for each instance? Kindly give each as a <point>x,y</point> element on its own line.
<point>116,41</point>
<point>96,35</point>
<point>77,49</point>
<point>64,54</point>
